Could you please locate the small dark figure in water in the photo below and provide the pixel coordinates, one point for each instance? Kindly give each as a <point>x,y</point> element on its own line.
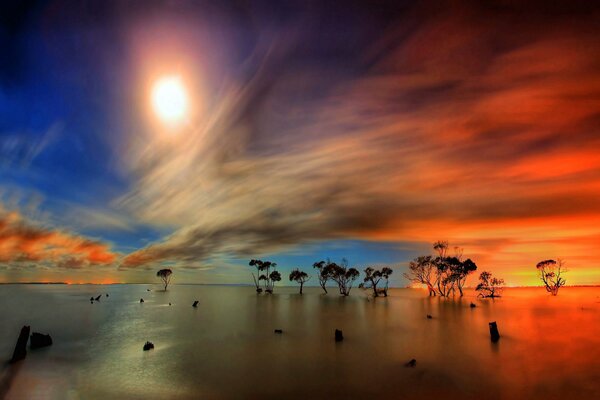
<point>148,346</point>
<point>38,340</point>
<point>339,336</point>
<point>278,330</point>
<point>195,304</point>
<point>98,297</point>
<point>494,334</point>
<point>429,316</point>
<point>20,348</point>
<point>412,363</point>
<point>141,300</point>
<point>472,305</point>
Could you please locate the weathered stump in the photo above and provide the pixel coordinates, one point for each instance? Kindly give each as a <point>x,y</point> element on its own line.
<point>429,316</point>
<point>195,304</point>
<point>472,305</point>
<point>141,300</point>
<point>148,346</point>
<point>339,336</point>
<point>38,340</point>
<point>21,346</point>
<point>494,334</point>
<point>411,364</point>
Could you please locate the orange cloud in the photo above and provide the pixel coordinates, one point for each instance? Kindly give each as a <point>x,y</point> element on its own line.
<point>21,242</point>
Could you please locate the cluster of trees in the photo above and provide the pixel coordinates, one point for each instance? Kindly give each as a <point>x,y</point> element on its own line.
<point>443,274</point>
<point>327,271</point>
<point>266,273</point>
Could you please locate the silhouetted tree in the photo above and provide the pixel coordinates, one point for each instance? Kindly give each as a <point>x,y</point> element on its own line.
<point>257,264</point>
<point>323,274</point>
<point>274,276</point>
<point>550,272</point>
<point>374,276</point>
<point>300,277</point>
<point>442,274</point>
<point>422,270</point>
<point>489,286</point>
<point>342,275</point>
<point>264,269</point>
<point>165,276</point>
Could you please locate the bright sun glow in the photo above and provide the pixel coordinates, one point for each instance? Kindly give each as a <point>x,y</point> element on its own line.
<point>169,99</point>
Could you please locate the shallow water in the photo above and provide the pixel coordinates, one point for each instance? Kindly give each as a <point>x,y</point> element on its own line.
<point>226,348</point>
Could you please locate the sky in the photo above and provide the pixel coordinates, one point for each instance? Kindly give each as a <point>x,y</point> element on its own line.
<point>363,130</point>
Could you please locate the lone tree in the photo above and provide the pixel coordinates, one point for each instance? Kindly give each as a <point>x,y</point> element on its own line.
<point>299,277</point>
<point>165,276</point>
<point>374,276</point>
<point>257,264</point>
<point>342,275</point>
<point>422,270</point>
<point>489,286</point>
<point>550,273</point>
<point>323,274</point>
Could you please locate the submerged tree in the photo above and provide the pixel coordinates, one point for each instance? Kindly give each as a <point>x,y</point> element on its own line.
<point>299,277</point>
<point>323,274</point>
<point>460,270</point>
<point>274,276</point>
<point>489,286</point>
<point>422,270</point>
<point>374,276</point>
<point>257,264</point>
<point>342,275</point>
<point>165,276</point>
<point>550,272</point>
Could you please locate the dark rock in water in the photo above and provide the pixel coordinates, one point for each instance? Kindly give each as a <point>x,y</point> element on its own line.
<point>141,300</point>
<point>98,297</point>
<point>494,334</point>
<point>429,316</point>
<point>472,305</point>
<point>278,330</point>
<point>412,363</point>
<point>169,303</point>
<point>148,346</point>
<point>38,340</point>
<point>338,335</point>
<point>195,304</point>
<point>92,299</point>
<point>106,294</point>
<point>147,290</point>
<point>21,346</point>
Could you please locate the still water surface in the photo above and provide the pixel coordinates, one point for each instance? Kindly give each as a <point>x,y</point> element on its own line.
<point>226,348</point>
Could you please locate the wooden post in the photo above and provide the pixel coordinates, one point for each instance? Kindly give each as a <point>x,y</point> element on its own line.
<point>21,346</point>
<point>494,334</point>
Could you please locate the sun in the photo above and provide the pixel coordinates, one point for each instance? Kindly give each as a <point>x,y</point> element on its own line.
<point>169,99</point>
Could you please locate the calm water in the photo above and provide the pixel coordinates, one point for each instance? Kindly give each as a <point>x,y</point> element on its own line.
<point>226,348</point>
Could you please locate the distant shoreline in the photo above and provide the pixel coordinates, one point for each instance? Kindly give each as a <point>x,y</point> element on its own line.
<point>238,285</point>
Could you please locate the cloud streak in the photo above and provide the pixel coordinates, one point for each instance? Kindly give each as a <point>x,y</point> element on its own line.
<point>462,125</point>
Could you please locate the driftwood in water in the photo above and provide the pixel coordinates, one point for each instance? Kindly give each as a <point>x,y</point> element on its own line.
<point>494,334</point>
<point>98,297</point>
<point>21,346</point>
<point>38,340</point>
<point>195,304</point>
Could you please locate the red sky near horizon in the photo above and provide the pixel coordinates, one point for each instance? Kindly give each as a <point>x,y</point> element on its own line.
<point>403,125</point>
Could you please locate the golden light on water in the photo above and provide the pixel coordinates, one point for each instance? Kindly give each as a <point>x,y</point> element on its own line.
<point>169,99</point>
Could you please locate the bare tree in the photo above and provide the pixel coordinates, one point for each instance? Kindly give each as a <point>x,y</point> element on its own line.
<point>323,274</point>
<point>165,276</point>
<point>373,277</point>
<point>489,286</point>
<point>422,270</point>
<point>550,272</point>
<point>299,277</point>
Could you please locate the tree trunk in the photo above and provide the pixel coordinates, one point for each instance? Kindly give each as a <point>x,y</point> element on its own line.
<point>301,285</point>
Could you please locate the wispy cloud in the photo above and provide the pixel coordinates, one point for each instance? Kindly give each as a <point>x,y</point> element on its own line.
<point>463,126</point>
